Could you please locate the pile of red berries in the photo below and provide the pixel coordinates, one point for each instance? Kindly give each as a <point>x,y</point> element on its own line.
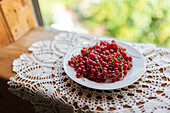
<point>102,61</point>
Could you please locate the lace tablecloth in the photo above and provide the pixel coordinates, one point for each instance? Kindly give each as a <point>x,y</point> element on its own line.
<point>41,80</point>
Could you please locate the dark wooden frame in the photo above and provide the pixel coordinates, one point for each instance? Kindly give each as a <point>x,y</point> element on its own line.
<point>37,12</point>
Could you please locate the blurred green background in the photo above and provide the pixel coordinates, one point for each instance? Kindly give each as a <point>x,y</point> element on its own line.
<point>146,21</point>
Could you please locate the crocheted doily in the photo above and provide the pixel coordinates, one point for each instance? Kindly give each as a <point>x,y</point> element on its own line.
<point>41,80</point>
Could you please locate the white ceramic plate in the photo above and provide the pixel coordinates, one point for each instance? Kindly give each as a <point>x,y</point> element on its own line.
<point>133,75</point>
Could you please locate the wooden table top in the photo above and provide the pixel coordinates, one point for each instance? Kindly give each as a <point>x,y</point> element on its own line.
<point>9,102</point>
<point>14,50</point>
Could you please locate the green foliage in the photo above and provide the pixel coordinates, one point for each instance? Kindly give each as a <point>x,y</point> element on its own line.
<point>146,21</point>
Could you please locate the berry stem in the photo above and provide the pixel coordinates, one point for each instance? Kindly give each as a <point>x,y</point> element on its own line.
<point>110,64</point>
<point>98,62</point>
<point>75,59</point>
<point>83,77</point>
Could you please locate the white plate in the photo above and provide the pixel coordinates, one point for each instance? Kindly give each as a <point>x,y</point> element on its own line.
<point>133,75</point>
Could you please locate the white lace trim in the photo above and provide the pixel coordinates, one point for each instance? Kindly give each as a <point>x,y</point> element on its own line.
<point>41,80</point>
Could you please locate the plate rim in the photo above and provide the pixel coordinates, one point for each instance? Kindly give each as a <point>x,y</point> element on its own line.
<point>143,70</point>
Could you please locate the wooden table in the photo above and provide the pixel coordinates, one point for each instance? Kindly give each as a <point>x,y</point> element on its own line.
<point>10,103</point>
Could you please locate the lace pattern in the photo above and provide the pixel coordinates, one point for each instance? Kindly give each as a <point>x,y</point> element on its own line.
<point>41,80</point>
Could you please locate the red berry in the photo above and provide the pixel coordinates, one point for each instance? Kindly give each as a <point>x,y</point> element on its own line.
<point>78,75</point>
<point>116,72</point>
<point>125,72</point>
<point>99,69</point>
<point>76,66</point>
<point>126,57</point>
<point>113,76</point>
<point>95,53</point>
<point>84,62</point>
<point>97,45</point>
<point>120,60</point>
<point>90,48</point>
<point>116,65</point>
<point>80,59</point>
<point>113,41</point>
<point>111,51</point>
<point>91,75</point>
<point>124,62</point>
<point>104,72</point>
<point>81,63</point>
<point>113,80</point>
<point>98,79</point>
<point>108,46</point>
<point>79,70</point>
<point>99,57</point>
<point>106,59</point>
<point>118,54</point>
<point>103,80</point>
<point>109,72</point>
<point>117,79</point>
<point>69,62</point>
<point>124,49</point>
<point>83,51</point>
<point>103,56</point>
<point>93,71</point>
<point>104,68</point>
<point>124,54</point>
<point>82,67</point>
<point>131,65</point>
<point>121,76</point>
<point>106,52</point>
<point>115,68</point>
<point>107,66</point>
<point>91,66</point>
<point>130,58</point>
<point>79,55</point>
<point>125,66</point>
<point>98,50</point>
<point>115,47</point>
<point>99,75</point>
<point>103,48</point>
<point>103,63</point>
<point>91,55</point>
<point>110,62</point>
<point>74,62</point>
<point>93,63</point>
<point>84,71</point>
<point>85,75</point>
<point>97,64</point>
<point>89,61</point>
<point>116,61</point>
<point>120,69</point>
<point>120,50</point>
